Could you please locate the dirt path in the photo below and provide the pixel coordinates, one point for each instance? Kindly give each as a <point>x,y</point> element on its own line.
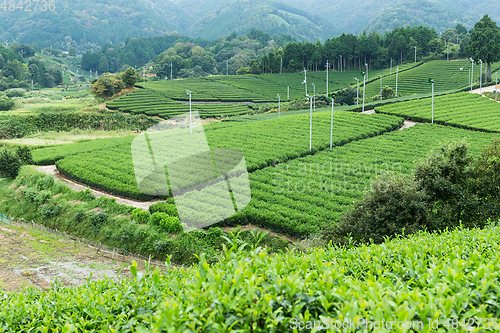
<point>34,258</point>
<point>52,170</point>
<point>484,89</point>
<point>368,112</point>
<point>408,124</point>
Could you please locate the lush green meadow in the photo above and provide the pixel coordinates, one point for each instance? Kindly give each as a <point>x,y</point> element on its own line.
<point>463,110</point>
<point>107,163</point>
<point>432,282</point>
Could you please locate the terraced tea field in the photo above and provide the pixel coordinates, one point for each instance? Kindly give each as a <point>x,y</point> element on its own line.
<point>107,164</point>
<point>152,103</point>
<point>446,75</point>
<point>463,110</point>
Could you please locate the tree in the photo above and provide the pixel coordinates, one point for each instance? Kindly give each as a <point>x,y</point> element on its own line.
<point>72,52</point>
<point>130,77</point>
<point>6,103</point>
<point>485,43</point>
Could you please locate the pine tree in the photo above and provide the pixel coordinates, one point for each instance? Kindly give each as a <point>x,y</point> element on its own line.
<point>485,43</point>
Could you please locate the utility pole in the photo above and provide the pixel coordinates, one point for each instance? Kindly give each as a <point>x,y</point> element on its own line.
<point>279,106</point>
<point>472,76</point>
<point>331,125</point>
<point>357,91</point>
<point>380,76</point>
<point>397,72</point>
<point>327,69</point>
<point>415,53</point>
<point>314,96</point>
<point>281,66</point>
<point>190,116</point>
<point>305,79</point>
<point>496,85</point>
<point>310,122</point>
<point>364,82</point>
<point>481,78</point>
<point>432,82</point>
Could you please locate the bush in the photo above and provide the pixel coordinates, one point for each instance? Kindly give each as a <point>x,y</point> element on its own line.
<point>141,216</point>
<point>50,210</point>
<point>166,223</point>
<point>98,220</point>
<point>345,96</point>
<point>393,204</point>
<point>6,103</point>
<point>164,207</point>
<point>10,164</point>
<point>15,92</point>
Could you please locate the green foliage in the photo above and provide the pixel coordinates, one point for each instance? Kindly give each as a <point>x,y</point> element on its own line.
<point>20,126</point>
<point>6,103</point>
<point>164,207</point>
<point>141,216</point>
<point>99,219</point>
<point>345,96</point>
<point>10,163</point>
<point>464,110</point>
<point>15,92</point>
<point>50,210</point>
<point>394,205</point>
<point>388,92</point>
<point>130,77</point>
<point>484,43</point>
<point>169,224</point>
<point>280,291</point>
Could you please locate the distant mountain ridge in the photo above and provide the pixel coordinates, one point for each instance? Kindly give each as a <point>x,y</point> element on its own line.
<point>92,23</point>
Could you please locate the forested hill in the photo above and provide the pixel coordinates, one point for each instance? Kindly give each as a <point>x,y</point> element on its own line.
<point>92,24</point>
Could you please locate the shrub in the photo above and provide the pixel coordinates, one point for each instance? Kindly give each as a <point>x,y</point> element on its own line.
<point>166,223</point>
<point>6,103</point>
<point>50,210</point>
<point>141,216</point>
<point>98,220</point>
<point>10,164</point>
<point>164,207</point>
<point>15,92</point>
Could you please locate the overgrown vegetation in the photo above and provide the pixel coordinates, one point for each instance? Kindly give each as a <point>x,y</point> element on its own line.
<point>35,196</point>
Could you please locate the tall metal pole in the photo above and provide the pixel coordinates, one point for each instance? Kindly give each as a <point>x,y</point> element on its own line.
<point>310,122</point>
<point>432,121</point>
<point>364,81</point>
<point>279,106</point>
<point>367,76</point>
<point>397,72</point>
<point>469,75</point>
<point>327,69</point>
<point>357,91</point>
<point>481,78</point>
<point>380,76</point>
<point>305,79</point>
<point>314,96</point>
<point>496,85</point>
<point>190,116</point>
<point>331,126</point>
<point>415,53</point>
<point>472,76</point>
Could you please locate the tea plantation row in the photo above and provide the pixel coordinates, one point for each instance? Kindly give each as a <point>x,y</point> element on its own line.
<point>463,110</point>
<point>424,283</point>
<point>107,164</point>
